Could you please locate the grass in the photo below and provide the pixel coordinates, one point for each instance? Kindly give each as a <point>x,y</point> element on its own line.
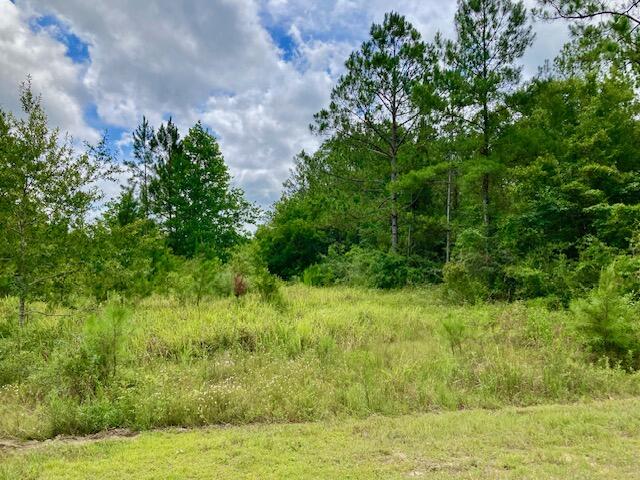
<point>327,355</point>
<point>586,441</point>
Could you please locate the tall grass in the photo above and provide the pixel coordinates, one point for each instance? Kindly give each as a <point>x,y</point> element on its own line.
<point>322,353</point>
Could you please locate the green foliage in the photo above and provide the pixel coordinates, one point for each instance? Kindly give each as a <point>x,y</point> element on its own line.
<point>198,279</point>
<point>455,332</point>
<point>460,286</point>
<point>191,192</point>
<point>291,241</point>
<point>141,165</point>
<point>249,272</point>
<point>359,267</point>
<point>609,320</point>
<point>331,353</point>
<point>105,335</point>
<point>46,190</point>
<point>268,287</point>
<point>373,107</point>
<point>127,254</point>
<point>318,275</point>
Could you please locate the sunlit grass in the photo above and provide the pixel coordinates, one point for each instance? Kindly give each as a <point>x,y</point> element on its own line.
<point>589,441</point>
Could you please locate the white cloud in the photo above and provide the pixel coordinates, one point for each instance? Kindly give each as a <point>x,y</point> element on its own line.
<point>24,52</point>
<point>212,60</point>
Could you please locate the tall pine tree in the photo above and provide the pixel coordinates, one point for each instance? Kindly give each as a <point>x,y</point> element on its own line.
<point>372,107</point>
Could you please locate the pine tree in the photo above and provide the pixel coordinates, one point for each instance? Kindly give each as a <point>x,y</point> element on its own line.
<point>141,165</point>
<point>201,211</point>
<point>46,190</point>
<point>491,35</point>
<point>372,107</point>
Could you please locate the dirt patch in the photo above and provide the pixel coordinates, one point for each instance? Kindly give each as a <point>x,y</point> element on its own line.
<point>9,445</point>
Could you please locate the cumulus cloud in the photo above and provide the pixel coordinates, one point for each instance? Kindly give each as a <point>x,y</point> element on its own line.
<point>254,71</point>
<point>23,52</point>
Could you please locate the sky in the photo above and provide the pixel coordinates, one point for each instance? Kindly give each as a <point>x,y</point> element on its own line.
<point>253,71</point>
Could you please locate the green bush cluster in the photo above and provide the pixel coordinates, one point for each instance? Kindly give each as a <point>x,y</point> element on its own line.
<point>368,268</point>
<point>609,319</point>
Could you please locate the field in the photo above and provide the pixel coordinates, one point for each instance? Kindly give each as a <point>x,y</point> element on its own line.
<point>395,384</point>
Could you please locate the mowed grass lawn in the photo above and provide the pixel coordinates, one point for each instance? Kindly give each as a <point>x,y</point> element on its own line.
<point>581,441</point>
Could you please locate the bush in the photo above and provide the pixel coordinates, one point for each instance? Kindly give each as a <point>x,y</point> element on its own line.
<point>250,273</point>
<point>387,270</point>
<point>454,329</point>
<point>609,321</point>
<point>359,267</point>
<point>268,288</point>
<point>628,268</point>
<point>460,287</point>
<point>198,279</point>
<point>318,275</point>
<point>104,338</point>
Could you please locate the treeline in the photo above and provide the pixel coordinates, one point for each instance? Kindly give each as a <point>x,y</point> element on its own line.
<point>177,226</point>
<point>439,164</point>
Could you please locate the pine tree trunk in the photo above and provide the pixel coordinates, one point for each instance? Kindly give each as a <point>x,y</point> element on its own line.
<point>394,173</point>
<point>394,206</point>
<point>22,311</point>
<point>486,217</point>
<point>394,223</point>
<point>485,176</point>
<point>485,202</point>
<point>449,191</point>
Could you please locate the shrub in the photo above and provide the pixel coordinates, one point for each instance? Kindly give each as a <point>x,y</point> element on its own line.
<point>459,286</point>
<point>197,279</point>
<point>384,270</point>
<point>318,275</point>
<point>609,321</point>
<point>206,278</point>
<point>181,286</point>
<point>359,267</point>
<point>268,288</point>
<point>595,255</point>
<point>251,273</point>
<point>104,338</point>
<point>628,267</point>
<point>454,329</point>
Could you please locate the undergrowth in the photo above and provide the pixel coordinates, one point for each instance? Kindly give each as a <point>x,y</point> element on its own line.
<point>324,353</point>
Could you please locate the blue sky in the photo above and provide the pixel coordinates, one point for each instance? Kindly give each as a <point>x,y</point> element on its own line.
<point>77,49</point>
<point>254,71</point>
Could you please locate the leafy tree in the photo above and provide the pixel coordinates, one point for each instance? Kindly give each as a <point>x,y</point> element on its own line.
<point>292,240</point>
<point>372,106</point>
<point>46,190</point>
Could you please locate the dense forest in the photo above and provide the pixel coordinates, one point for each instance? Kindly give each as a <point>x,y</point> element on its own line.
<point>438,164</point>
